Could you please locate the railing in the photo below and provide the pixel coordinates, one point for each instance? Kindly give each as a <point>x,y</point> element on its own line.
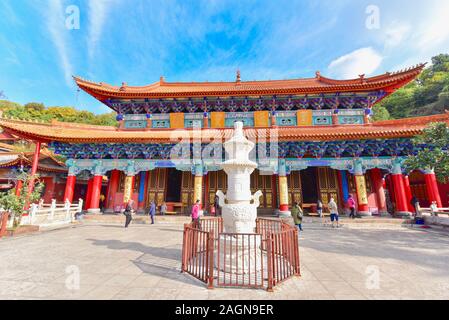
<point>428,211</point>
<point>197,253</point>
<point>46,215</point>
<point>261,259</point>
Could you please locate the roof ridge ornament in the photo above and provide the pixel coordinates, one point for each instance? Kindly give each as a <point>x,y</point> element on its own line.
<point>237,78</point>
<point>318,75</point>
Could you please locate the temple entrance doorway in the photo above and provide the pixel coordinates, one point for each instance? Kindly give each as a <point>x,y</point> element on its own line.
<point>174,179</point>
<point>309,185</point>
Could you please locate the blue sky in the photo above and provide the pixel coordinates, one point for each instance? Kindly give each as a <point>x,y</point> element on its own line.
<point>136,41</point>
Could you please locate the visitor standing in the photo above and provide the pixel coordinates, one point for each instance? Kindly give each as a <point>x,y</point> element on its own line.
<point>319,210</point>
<point>297,215</point>
<point>434,208</point>
<point>351,205</point>
<point>128,212</point>
<point>102,198</point>
<point>333,208</point>
<point>413,202</point>
<point>163,208</point>
<point>216,205</point>
<point>152,211</point>
<point>196,213</point>
<point>212,210</point>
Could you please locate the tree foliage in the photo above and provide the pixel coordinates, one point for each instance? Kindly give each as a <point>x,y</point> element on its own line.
<point>429,94</point>
<point>435,154</point>
<point>14,204</point>
<point>38,111</point>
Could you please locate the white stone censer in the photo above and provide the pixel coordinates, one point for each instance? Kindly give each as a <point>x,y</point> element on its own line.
<point>239,207</point>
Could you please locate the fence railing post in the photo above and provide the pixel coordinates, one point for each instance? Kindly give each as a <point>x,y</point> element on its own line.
<point>269,264</point>
<point>210,252</point>
<point>33,212</point>
<point>52,209</point>
<point>184,251</point>
<point>67,206</point>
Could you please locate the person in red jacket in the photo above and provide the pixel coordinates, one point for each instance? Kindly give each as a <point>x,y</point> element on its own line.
<point>351,206</point>
<point>196,213</point>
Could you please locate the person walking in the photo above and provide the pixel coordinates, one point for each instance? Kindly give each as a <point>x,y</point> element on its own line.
<point>351,205</point>
<point>319,210</point>
<point>152,211</point>
<point>297,215</point>
<point>128,212</point>
<point>433,208</point>
<point>216,205</point>
<point>196,214</point>
<point>333,208</point>
<point>163,208</point>
<point>415,203</point>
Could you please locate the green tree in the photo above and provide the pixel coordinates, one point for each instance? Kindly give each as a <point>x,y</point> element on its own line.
<point>35,106</point>
<point>435,154</point>
<point>380,113</point>
<point>15,204</point>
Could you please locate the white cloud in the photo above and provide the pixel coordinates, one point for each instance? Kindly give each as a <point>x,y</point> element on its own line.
<point>361,61</point>
<point>98,12</point>
<point>435,31</point>
<point>58,33</point>
<point>396,33</point>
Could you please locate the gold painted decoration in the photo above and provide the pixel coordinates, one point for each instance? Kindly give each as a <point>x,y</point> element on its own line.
<point>128,189</point>
<point>217,119</point>
<point>198,188</point>
<point>361,189</point>
<point>304,117</point>
<point>283,190</point>
<point>261,118</point>
<point>177,120</point>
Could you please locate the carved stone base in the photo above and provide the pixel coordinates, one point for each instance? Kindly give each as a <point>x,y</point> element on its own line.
<point>239,217</point>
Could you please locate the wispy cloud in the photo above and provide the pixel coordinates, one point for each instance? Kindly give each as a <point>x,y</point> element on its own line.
<point>98,14</point>
<point>357,62</point>
<point>58,32</point>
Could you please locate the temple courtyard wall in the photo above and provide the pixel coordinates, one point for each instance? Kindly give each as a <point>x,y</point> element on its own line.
<point>102,260</point>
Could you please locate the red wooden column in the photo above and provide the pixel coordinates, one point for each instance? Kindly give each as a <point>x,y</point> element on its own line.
<point>69,188</point>
<point>112,189</point>
<point>378,184</point>
<point>94,205</point>
<point>37,151</point>
<point>283,189</point>
<point>408,193</point>
<point>88,194</point>
<point>400,195</point>
<point>432,188</point>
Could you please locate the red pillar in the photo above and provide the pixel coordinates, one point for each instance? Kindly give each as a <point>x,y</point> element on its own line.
<point>37,151</point>
<point>378,184</point>
<point>19,185</point>
<point>95,193</point>
<point>112,189</point>
<point>408,193</point>
<point>88,194</point>
<point>69,188</point>
<point>432,188</point>
<point>399,194</point>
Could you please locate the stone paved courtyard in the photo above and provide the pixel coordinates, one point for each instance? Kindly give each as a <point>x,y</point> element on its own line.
<point>143,262</point>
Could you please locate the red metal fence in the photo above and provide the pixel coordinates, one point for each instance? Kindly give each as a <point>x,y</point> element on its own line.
<point>257,260</point>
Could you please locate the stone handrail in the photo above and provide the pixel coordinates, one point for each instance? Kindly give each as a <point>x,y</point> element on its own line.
<point>46,215</point>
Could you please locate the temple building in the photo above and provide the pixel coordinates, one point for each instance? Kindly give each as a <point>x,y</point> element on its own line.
<point>51,171</point>
<point>314,140</point>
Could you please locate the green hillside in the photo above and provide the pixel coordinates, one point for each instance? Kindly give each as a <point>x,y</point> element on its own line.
<point>428,95</point>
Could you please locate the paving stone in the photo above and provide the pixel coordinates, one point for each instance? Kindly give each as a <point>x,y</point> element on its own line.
<point>143,262</point>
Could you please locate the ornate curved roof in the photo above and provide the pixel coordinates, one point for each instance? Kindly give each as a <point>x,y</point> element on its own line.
<point>70,133</point>
<point>387,82</point>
